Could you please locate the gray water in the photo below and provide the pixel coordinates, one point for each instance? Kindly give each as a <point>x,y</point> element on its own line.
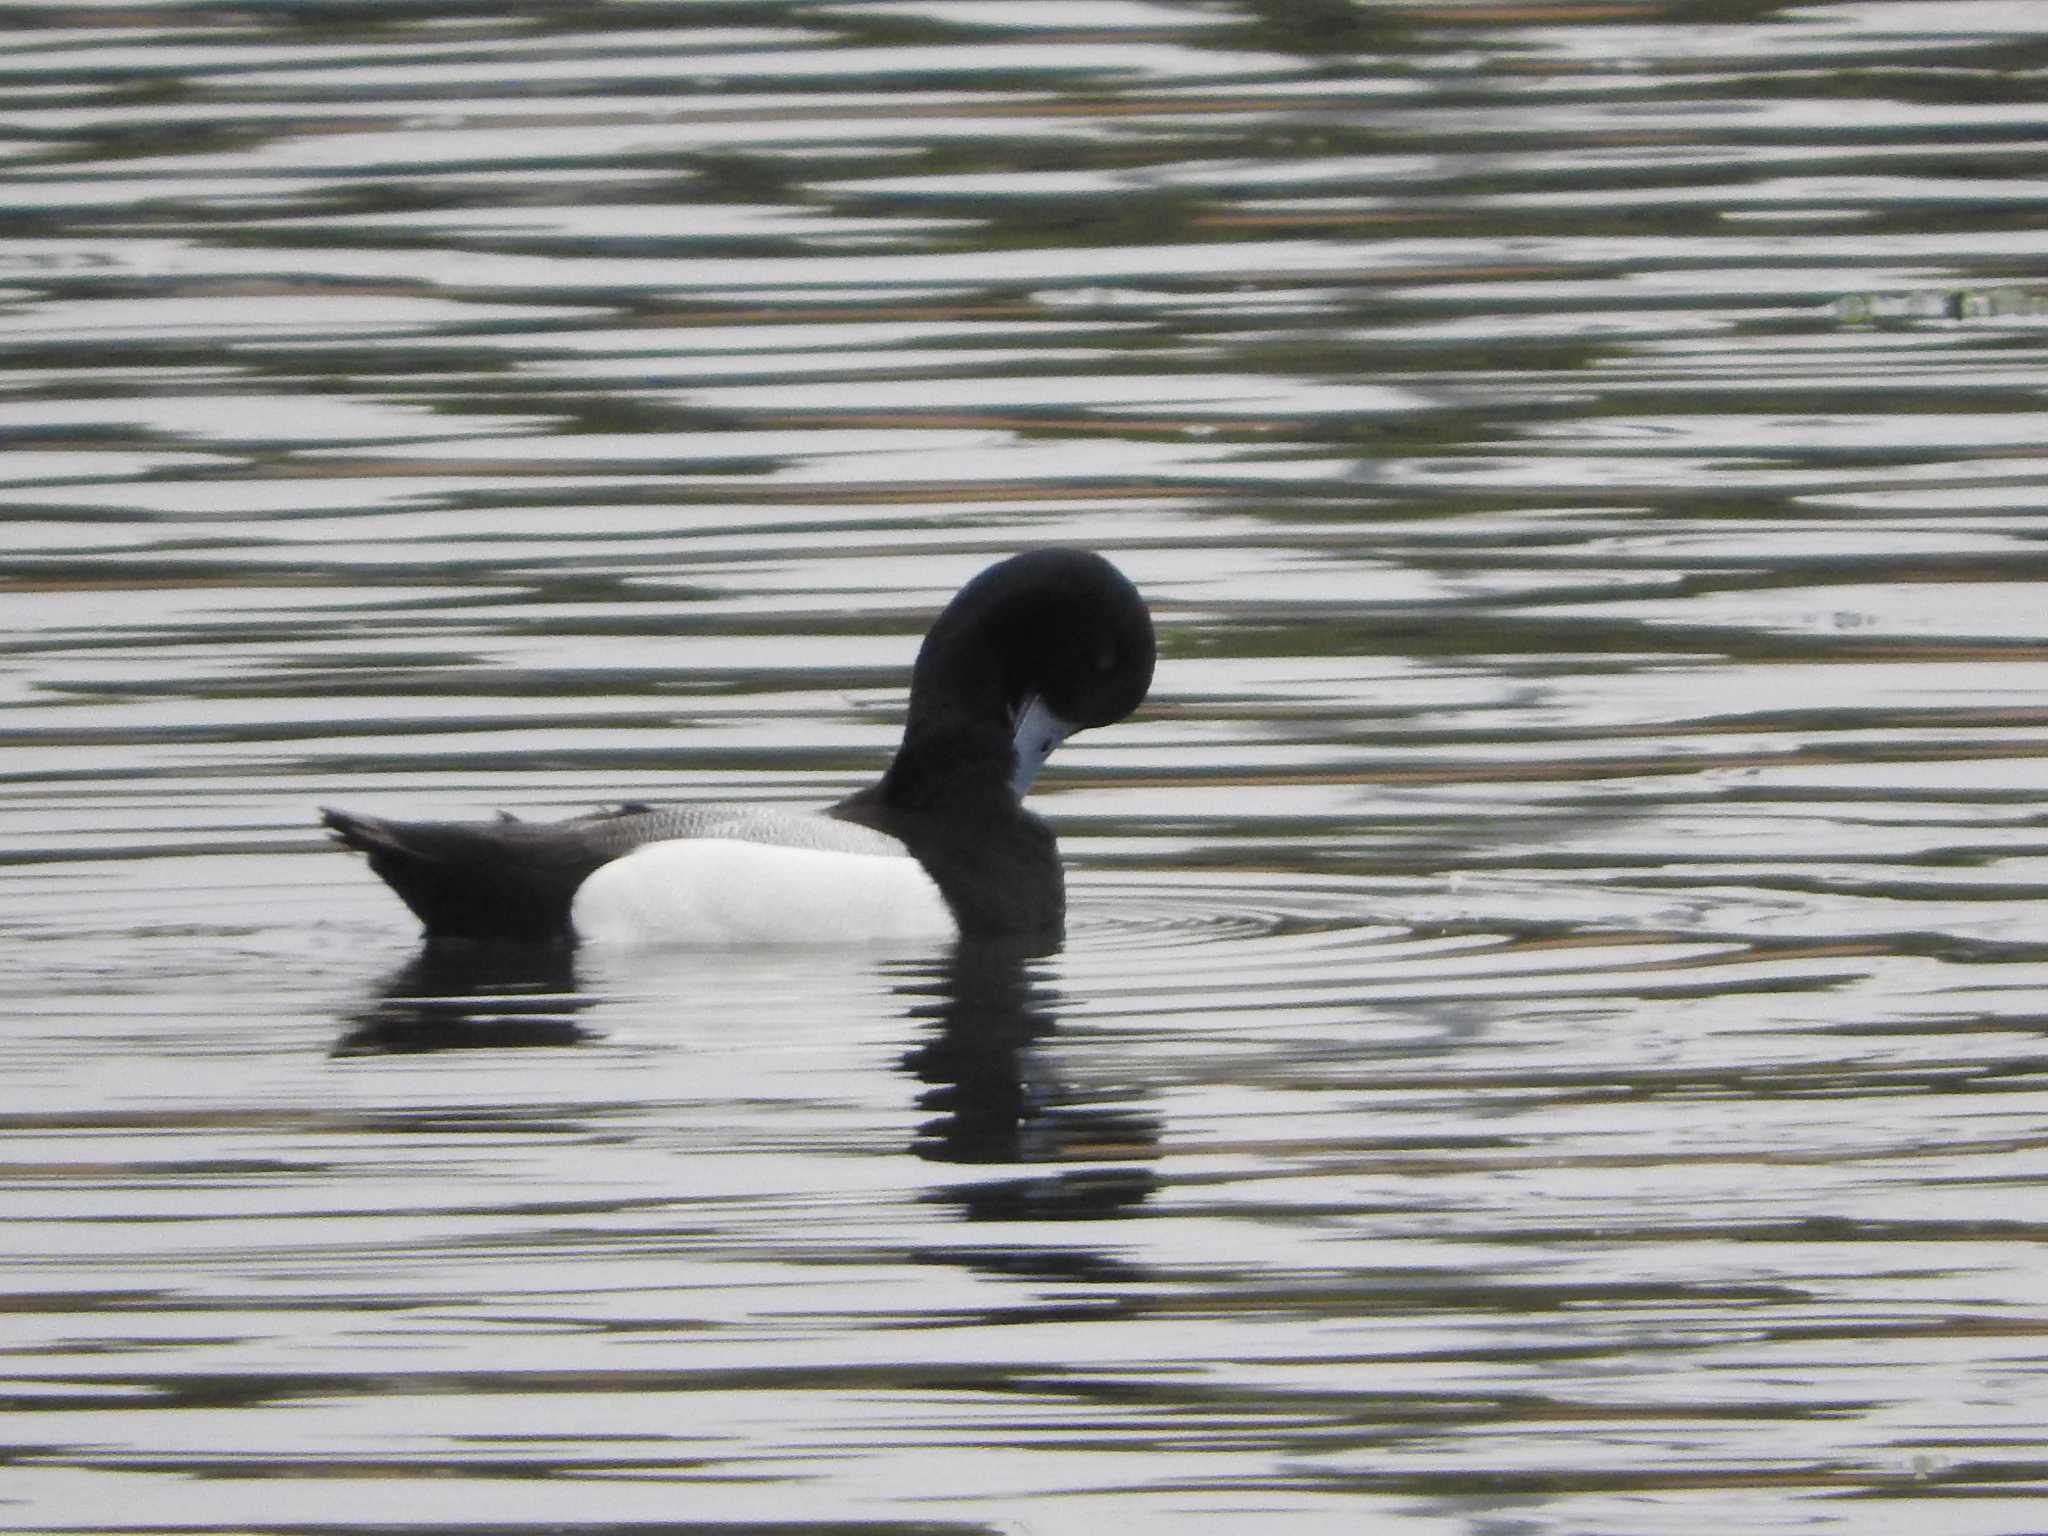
<point>1550,1036</point>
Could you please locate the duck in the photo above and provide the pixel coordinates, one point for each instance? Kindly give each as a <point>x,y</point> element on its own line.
<point>941,847</point>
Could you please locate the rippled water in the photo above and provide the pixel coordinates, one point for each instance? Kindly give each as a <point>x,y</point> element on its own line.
<point>1550,1037</point>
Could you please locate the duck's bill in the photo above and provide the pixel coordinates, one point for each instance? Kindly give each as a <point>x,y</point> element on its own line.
<point>1038,731</point>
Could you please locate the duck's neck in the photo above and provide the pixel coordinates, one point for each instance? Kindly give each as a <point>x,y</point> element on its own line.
<point>957,758</point>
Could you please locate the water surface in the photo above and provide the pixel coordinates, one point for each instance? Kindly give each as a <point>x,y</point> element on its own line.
<point>1550,1035</point>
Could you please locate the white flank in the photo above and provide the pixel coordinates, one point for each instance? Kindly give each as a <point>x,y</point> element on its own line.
<point>714,890</point>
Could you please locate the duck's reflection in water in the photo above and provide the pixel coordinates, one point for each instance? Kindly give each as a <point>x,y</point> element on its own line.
<point>465,996</point>
<point>1001,1100</point>
<point>988,1072</point>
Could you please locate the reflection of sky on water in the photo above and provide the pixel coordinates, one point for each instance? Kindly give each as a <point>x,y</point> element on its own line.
<point>1552,1000</point>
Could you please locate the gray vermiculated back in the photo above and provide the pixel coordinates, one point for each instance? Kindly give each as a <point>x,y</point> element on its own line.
<point>619,832</point>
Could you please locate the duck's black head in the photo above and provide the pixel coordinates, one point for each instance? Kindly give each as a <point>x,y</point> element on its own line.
<point>1036,647</point>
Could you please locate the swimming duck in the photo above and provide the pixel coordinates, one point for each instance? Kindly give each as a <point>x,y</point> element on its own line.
<point>1036,647</point>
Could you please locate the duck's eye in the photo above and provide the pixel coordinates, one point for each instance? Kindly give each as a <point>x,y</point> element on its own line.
<point>1105,661</point>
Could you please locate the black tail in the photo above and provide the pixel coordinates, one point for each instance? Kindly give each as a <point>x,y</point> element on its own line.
<point>506,880</point>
